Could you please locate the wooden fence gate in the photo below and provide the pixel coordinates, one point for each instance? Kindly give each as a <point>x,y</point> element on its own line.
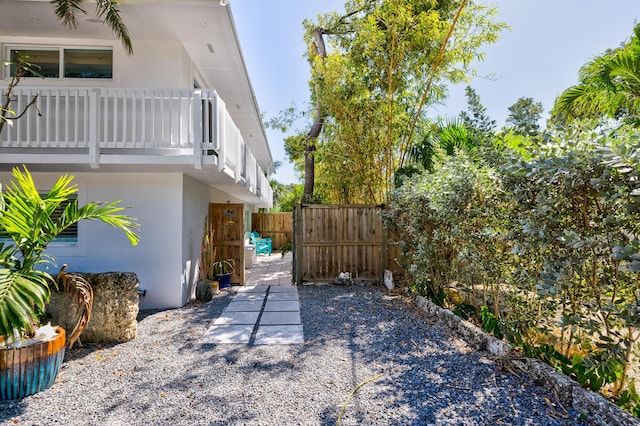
<point>330,239</point>
<point>228,222</point>
<point>277,226</point>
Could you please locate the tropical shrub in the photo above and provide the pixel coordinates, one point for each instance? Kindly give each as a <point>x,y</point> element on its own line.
<point>545,244</point>
<point>450,228</point>
<point>578,216</point>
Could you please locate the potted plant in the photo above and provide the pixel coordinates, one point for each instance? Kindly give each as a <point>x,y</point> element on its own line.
<point>207,284</point>
<point>222,270</point>
<point>30,361</point>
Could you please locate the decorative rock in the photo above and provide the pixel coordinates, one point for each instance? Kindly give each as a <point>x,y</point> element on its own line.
<point>115,308</point>
<point>548,377</point>
<point>600,411</point>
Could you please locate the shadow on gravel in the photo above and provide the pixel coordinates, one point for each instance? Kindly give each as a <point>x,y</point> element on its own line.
<point>409,370</point>
<point>412,371</point>
<point>418,371</point>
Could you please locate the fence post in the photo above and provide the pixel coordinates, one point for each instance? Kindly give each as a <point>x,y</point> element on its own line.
<point>298,252</point>
<point>384,252</point>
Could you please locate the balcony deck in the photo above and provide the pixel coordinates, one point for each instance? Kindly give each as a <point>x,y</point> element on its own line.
<point>191,129</point>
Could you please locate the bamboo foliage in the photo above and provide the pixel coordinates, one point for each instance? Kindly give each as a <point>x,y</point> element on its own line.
<point>387,59</point>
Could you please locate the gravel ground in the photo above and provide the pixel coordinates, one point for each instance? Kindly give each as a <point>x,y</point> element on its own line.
<point>417,372</point>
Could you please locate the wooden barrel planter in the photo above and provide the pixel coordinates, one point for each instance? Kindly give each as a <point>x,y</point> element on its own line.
<point>31,369</point>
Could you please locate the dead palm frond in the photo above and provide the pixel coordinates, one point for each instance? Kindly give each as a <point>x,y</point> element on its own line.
<point>82,294</point>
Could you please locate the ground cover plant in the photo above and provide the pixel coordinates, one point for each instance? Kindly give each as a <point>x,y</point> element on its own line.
<point>538,245</point>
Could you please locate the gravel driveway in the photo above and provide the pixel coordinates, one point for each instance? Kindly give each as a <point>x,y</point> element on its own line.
<point>417,372</point>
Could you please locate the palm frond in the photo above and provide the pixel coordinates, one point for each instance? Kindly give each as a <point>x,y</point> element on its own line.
<point>423,151</point>
<point>82,295</point>
<point>108,9</point>
<point>107,214</point>
<point>67,11</point>
<point>453,136</point>
<point>625,72</point>
<point>20,293</point>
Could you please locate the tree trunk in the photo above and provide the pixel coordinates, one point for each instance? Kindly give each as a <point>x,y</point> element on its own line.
<point>309,158</point>
<point>316,128</point>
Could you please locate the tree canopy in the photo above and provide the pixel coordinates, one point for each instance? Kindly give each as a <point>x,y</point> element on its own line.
<point>381,61</point>
<point>476,118</point>
<point>524,116</point>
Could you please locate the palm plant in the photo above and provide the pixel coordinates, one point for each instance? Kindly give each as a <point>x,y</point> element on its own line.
<point>27,219</point>
<point>609,85</point>
<point>444,138</point>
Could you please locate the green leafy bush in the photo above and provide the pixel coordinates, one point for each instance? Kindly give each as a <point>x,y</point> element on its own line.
<point>546,241</point>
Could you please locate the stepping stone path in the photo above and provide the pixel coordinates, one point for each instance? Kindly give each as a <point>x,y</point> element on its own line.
<point>266,313</point>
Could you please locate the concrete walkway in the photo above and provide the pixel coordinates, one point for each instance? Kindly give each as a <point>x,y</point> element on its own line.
<point>265,311</point>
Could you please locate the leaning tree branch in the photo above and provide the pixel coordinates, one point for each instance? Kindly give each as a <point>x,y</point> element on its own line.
<point>21,70</point>
<point>24,111</point>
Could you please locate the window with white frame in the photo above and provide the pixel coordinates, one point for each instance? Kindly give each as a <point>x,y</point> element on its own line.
<point>59,62</point>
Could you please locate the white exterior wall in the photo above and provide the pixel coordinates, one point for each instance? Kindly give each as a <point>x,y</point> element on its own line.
<point>155,200</point>
<point>195,207</point>
<point>155,64</point>
<point>170,206</point>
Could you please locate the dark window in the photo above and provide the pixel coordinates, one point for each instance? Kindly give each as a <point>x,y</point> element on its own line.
<point>69,235</point>
<point>76,63</point>
<point>46,63</point>
<point>82,63</point>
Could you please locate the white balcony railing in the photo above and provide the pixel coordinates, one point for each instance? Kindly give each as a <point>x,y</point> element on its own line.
<point>133,126</point>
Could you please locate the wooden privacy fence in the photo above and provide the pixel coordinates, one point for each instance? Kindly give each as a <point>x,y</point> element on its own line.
<point>330,239</point>
<point>277,226</point>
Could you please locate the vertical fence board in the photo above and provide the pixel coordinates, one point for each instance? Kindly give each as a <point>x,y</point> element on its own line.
<point>339,238</point>
<point>277,226</point>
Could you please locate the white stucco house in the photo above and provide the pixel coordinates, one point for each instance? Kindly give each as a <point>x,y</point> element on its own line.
<point>168,130</point>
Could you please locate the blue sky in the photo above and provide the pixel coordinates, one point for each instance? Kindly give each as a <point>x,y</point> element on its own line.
<point>539,57</point>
